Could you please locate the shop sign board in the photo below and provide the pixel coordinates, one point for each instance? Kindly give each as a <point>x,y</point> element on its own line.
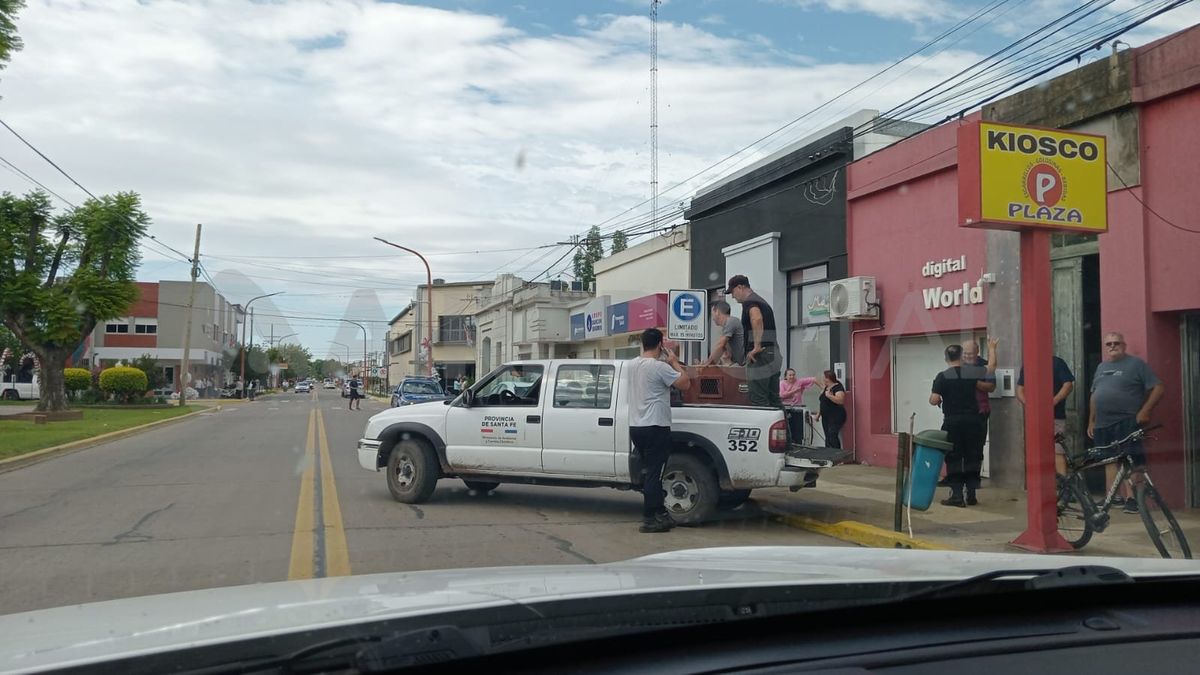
<point>686,318</point>
<point>648,312</point>
<point>577,327</point>
<point>1018,177</point>
<point>618,318</point>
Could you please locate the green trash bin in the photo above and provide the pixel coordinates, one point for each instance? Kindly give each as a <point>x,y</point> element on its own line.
<point>930,448</point>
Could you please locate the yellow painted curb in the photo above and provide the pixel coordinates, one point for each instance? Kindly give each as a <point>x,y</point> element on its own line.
<point>861,533</point>
<point>13,463</point>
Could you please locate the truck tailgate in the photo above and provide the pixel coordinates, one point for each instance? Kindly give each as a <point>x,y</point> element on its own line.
<point>804,456</point>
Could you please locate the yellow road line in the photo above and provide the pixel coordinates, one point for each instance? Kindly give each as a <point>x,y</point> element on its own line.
<point>337,554</point>
<point>301,566</point>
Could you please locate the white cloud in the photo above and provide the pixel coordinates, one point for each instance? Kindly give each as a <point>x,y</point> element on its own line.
<point>913,11</point>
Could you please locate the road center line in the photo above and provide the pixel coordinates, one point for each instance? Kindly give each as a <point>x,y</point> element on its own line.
<point>337,553</point>
<point>301,565</point>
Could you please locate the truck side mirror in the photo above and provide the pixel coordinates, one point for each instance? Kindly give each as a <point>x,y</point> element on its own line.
<point>468,398</point>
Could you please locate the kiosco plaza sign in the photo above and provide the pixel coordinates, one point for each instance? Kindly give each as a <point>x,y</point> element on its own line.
<point>1014,177</point>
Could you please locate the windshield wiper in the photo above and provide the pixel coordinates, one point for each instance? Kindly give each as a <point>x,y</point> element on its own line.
<point>1038,579</point>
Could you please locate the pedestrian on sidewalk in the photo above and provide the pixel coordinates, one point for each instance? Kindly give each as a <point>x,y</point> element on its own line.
<point>651,377</point>
<point>971,358</point>
<point>1124,392</point>
<point>833,410</point>
<point>355,397</point>
<point>954,391</point>
<point>1064,384</point>
<point>762,359</point>
<point>730,348</point>
<point>791,393</point>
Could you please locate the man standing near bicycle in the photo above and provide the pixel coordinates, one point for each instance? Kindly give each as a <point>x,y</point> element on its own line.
<point>1124,392</point>
<point>1064,384</point>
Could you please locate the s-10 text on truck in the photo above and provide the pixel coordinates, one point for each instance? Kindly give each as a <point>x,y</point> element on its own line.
<point>566,423</point>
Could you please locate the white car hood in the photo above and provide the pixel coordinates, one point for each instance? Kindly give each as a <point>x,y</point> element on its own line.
<point>82,634</point>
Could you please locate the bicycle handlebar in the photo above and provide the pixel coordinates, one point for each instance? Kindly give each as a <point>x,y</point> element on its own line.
<point>1134,435</point>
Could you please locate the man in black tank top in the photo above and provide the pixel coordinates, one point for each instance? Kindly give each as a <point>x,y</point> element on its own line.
<point>762,357</point>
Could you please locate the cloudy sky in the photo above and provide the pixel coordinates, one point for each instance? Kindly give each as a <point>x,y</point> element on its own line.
<point>471,130</point>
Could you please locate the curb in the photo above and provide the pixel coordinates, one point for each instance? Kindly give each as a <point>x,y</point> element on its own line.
<point>21,461</point>
<point>859,533</point>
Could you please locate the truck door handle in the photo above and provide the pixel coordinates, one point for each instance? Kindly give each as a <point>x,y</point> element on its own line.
<point>606,421</point>
<point>533,419</point>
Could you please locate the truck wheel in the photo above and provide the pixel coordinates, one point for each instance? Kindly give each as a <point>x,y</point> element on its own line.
<point>11,395</point>
<point>412,472</point>
<point>732,499</point>
<point>692,490</point>
<point>481,486</point>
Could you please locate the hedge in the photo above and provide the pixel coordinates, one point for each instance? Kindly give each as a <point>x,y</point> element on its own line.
<point>77,379</point>
<point>124,382</point>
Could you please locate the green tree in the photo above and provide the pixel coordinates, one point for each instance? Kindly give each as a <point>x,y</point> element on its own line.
<point>154,375</point>
<point>9,40</point>
<point>590,251</point>
<point>61,275</point>
<point>298,359</point>
<point>620,241</point>
<point>257,364</point>
<point>9,342</point>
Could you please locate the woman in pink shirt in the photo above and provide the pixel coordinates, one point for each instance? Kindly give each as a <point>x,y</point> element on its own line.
<point>791,388</point>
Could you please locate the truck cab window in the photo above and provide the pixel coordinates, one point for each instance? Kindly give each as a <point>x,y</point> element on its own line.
<point>511,386</point>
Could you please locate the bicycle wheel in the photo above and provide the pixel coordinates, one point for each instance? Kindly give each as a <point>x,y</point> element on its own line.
<point>1075,511</point>
<point>1160,523</point>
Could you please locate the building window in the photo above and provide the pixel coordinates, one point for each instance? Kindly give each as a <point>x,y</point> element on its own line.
<point>453,328</point>
<point>402,344</point>
<point>808,325</point>
<point>584,387</point>
<point>116,328</point>
<point>146,329</point>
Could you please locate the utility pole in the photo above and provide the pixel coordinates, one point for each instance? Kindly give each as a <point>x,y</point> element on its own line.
<point>187,330</point>
<point>654,114</point>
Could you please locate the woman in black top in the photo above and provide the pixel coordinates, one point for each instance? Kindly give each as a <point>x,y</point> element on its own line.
<point>833,410</point>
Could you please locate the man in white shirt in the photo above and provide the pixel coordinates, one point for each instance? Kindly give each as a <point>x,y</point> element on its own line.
<point>650,381</point>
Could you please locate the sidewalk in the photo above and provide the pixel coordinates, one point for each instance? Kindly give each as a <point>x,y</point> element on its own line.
<point>858,501</point>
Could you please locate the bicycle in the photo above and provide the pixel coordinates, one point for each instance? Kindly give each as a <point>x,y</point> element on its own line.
<point>1079,516</point>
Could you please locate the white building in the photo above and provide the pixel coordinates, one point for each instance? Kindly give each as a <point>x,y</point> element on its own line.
<point>517,319</point>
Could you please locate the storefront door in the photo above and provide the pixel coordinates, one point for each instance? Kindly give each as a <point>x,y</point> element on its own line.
<point>915,362</point>
<point>1191,407</point>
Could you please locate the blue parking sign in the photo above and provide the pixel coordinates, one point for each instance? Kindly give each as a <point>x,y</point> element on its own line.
<point>688,318</point>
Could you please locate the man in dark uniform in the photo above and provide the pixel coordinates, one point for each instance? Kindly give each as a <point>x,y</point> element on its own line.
<point>762,359</point>
<point>954,390</point>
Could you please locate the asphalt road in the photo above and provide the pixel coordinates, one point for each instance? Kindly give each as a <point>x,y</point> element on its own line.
<point>271,490</point>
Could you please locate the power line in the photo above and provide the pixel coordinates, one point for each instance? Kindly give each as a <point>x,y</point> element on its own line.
<point>1147,206</point>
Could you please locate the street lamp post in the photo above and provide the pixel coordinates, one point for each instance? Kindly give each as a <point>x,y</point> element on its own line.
<point>343,345</point>
<point>429,293</point>
<point>247,309</point>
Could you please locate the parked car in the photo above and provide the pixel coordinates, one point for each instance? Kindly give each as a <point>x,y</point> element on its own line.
<point>11,390</point>
<point>417,390</point>
<point>525,423</point>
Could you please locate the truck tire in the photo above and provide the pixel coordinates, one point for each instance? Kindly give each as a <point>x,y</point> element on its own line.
<point>692,490</point>
<point>412,472</point>
<point>732,499</point>
<point>11,395</point>
<point>481,486</point>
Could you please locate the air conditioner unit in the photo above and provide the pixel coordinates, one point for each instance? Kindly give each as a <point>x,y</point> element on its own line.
<point>853,298</point>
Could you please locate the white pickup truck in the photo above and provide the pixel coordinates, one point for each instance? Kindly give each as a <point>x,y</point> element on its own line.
<point>565,422</point>
<point>11,390</point>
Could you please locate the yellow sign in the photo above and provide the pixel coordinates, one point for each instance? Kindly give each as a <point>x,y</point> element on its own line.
<point>1042,178</point>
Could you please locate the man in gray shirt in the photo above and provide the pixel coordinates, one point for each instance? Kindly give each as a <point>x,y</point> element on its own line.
<point>1124,391</point>
<point>731,338</point>
<point>650,382</point>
